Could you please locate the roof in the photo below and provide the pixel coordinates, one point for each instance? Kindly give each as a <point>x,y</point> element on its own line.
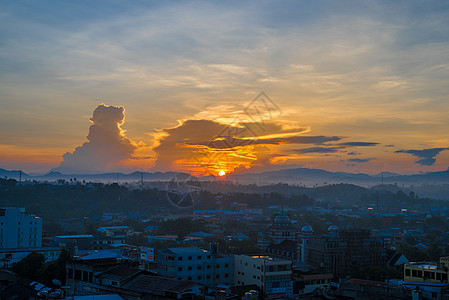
<point>201,234</point>
<point>156,285</point>
<point>79,236</point>
<point>101,255</point>
<point>317,276</point>
<point>367,282</point>
<point>120,273</point>
<point>285,245</point>
<point>114,227</point>
<point>185,250</point>
<point>98,297</point>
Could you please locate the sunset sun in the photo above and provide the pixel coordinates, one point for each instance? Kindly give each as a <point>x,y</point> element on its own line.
<point>221,173</point>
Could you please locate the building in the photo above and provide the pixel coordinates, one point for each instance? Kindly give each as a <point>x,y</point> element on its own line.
<point>427,271</point>
<point>116,231</point>
<point>195,264</point>
<point>106,275</point>
<point>18,230</point>
<point>345,251</point>
<point>282,229</point>
<point>272,275</point>
<point>10,256</point>
<point>302,243</point>
<point>78,243</point>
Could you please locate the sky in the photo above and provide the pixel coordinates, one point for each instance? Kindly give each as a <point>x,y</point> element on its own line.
<point>239,86</point>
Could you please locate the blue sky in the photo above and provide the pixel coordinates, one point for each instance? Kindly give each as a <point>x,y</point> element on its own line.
<point>366,71</point>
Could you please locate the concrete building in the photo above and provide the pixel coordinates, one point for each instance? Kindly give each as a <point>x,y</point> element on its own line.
<point>18,230</point>
<point>195,264</point>
<point>345,251</point>
<point>10,256</point>
<point>282,229</point>
<point>273,276</point>
<point>427,271</point>
<point>76,244</point>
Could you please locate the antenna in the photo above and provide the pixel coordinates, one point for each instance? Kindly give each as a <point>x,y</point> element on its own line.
<point>20,176</point>
<point>141,178</point>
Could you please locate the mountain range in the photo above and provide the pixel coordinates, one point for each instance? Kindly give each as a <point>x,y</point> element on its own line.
<point>297,176</point>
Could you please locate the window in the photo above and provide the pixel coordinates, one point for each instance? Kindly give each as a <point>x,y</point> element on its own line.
<point>208,276</point>
<point>189,278</point>
<point>179,268</point>
<point>189,258</point>
<point>208,267</point>
<point>226,265</point>
<point>199,267</point>
<point>180,258</point>
<point>189,268</point>
<point>199,257</point>
<point>226,275</point>
<point>199,277</point>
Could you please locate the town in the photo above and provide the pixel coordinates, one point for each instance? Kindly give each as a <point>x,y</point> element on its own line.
<point>134,243</point>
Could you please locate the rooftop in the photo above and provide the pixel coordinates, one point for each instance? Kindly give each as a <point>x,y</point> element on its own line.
<point>185,250</point>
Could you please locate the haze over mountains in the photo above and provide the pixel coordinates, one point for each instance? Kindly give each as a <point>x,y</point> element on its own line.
<point>297,176</point>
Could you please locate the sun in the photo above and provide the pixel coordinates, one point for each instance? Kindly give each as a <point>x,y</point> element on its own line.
<point>221,173</point>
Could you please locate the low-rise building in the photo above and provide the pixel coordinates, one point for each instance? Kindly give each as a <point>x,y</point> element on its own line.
<point>10,256</point>
<point>427,271</point>
<point>195,264</point>
<point>78,243</point>
<point>272,275</point>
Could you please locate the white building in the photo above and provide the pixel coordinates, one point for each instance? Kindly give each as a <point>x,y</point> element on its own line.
<point>198,265</point>
<point>18,230</point>
<point>273,276</point>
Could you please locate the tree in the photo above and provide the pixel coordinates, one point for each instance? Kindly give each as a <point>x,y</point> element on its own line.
<point>30,267</point>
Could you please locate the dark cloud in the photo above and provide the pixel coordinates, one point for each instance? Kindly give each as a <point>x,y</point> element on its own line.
<point>427,157</point>
<point>358,144</point>
<point>171,147</point>
<point>201,142</point>
<point>359,160</point>
<point>228,141</point>
<point>353,153</point>
<point>318,150</point>
<point>106,144</point>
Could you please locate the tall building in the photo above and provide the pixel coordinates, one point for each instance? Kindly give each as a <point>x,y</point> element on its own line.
<point>282,229</point>
<point>344,251</point>
<point>195,264</point>
<point>302,243</point>
<point>18,230</point>
<point>272,275</point>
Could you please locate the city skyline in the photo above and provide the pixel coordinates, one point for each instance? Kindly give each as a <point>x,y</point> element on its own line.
<point>354,87</point>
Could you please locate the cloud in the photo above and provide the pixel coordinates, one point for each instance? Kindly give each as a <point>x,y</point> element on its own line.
<point>106,147</point>
<point>358,144</point>
<point>359,160</point>
<point>318,150</point>
<point>353,153</point>
<point>198,145</point>
<point>427,157</point>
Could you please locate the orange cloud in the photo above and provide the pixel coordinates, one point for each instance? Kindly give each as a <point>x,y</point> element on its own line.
<point>107,148</point>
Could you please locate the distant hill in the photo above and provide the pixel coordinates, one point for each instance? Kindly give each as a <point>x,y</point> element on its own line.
<point>296,176</point>
<point>310,177</point>
<point>14,174</point>
<point>104,177</point>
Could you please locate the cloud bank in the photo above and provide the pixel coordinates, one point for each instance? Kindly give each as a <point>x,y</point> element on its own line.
<point>106,148</point>
<point>427,157</point>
